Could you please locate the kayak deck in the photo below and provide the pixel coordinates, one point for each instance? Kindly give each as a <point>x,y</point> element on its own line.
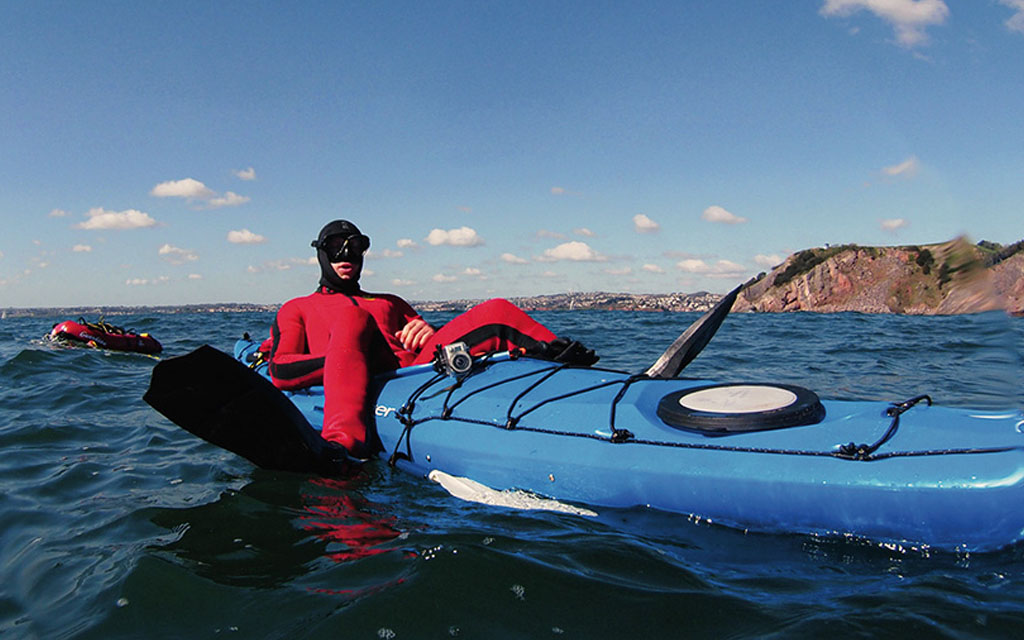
<point>947,477</point>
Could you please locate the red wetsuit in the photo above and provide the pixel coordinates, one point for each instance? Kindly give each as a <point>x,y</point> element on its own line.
<point>342,340</point>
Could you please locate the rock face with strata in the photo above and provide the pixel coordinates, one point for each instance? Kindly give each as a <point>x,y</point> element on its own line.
<point>1008,280</point>
<point>948,278</point>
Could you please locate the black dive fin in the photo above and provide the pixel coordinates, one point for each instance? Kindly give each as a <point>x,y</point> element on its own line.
<point>212,395</point>
<point>693,340</point>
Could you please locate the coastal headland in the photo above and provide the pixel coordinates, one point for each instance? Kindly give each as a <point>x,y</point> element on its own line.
<point>946,278</point>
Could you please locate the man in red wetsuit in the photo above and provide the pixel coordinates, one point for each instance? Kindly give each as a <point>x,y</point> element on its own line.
<point>341,336</point>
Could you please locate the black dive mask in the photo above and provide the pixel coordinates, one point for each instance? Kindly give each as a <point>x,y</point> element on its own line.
<point>343,248</point>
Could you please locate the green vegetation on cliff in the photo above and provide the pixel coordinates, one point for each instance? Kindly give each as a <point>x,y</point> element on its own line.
<point>807,260</point>
<point>996,253</point>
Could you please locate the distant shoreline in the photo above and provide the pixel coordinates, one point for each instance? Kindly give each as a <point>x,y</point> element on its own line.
<point>89,312</point>
<point>700,301</point>
<point>603,301</point>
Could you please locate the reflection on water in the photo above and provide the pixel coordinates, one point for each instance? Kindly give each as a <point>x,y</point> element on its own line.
<point>270,530</point>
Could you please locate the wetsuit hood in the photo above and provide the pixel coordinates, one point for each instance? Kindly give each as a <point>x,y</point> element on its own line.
<point>328,278</point>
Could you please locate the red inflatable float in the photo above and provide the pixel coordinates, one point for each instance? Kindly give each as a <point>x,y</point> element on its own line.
<point>103,335</point>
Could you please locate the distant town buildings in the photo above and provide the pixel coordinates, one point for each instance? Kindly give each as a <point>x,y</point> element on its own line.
<point>701,301</point>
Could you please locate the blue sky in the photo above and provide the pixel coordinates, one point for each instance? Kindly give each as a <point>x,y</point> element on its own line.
<point>187,152</point>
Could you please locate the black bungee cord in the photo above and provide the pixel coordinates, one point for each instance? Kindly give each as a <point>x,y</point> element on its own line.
<point>854,451</point>
<point>849,452</point>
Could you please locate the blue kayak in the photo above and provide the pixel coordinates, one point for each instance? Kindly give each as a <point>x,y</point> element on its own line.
<point>755,456</point>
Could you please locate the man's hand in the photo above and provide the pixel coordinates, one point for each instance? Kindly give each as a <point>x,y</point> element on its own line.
<point>415,334</point>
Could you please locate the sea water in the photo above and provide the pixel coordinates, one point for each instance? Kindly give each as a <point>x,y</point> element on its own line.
<point>114,523</point>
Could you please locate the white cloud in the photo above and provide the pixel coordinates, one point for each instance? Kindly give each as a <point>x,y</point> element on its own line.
<point>100,218</point>
<point>57,213</point>
<point>244,236</point>
<point>643,224</point>
<point>195,276</point>
<point>1016,21</point>
<point>715,213</point>
<point>385,253</point>
<point>727,269</point>
<point>624,271</point>
<point>906,169</point>
<point>81,248</point>
<point>285,265</point>
<point>908,18</point>
<point>720,269</point>
<point>693,265</point>
<point>193,190</point>
<point>406,243</point>
<point>399,282</point>
<point>472,271</point>
<point>461,237</point>
<point>246,174</point>
<point>176,255</point>
<point>583,231</point>
<point>544,233</point>
<point>769,261</point>
<point>229,199</point>
<point>140,282</point>
<point>575,251</point>
<point>441,277</point>
<point>557,191</point>
<point>511,258</point>
<point>893,224</point>
<point>653,268</point>
<point>188,188</point>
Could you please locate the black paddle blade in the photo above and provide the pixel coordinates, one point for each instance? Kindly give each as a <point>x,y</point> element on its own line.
<point>693,340</point>
<point>210,394</point>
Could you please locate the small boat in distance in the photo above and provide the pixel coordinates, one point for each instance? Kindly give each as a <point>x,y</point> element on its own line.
<point>103,335</point>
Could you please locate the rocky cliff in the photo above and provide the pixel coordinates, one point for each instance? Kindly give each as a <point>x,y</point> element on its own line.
<point>948,278</point>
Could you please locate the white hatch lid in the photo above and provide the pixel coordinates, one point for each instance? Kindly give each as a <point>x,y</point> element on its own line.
<point>740,398</point>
